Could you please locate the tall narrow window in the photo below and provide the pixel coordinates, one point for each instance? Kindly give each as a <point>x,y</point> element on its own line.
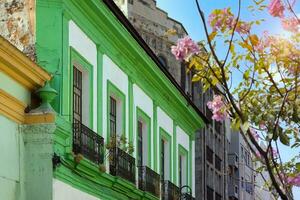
<point>113,117</point>
<point>77,95</point>
<point>140,143</point>
<point>162,160</point>
<point>180,172</point>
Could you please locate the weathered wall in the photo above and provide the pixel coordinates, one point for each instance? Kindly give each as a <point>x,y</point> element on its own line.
<point>10,167</point>
<point>17,24</point>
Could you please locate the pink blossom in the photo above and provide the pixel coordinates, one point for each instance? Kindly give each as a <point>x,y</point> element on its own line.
<point>276,8</point>
<point>242,28</point>
<point>258,155</point>
<point>221,19</point>
<point>294,180</point>
<point>254,133</point>
<point>224,19</point>
<point>218,107</point>
<point>291,25</point>
<point>185,47</point>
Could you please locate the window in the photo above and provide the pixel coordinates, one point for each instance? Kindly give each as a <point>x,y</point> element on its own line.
<point>143,132</point>
<point>113,117</point>
<point>81,84</point>
<point>165,155</point>
<point>218,162</point>
<point>183,166</point>
<point>209,193</point>
<point>180,172</point>
<point>77,95</point>
<point>242,182</point>
<point>162,160</point>
<point>115,111</point>
<point>140,144</point>
<point>130,1</point>
<point>209,155</point>
<point>163,61</point>
<point>218,126</point>
<point>242,152</point>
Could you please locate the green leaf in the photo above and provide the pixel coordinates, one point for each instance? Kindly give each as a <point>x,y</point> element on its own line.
<point>235,125</point>
<point>298,166</point>
<point>284,139</point>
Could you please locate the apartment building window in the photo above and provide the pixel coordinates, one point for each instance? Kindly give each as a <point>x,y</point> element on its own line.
<point>162,160</point>
<point>180,171</point>
<point>209,193</point>
<point>81,82</point>
<point>113,117</point>
<point>163,61</point>
<point>140,144</point>
<point>218,163</point>
<point>242,182</point>
<point>209,155</point>
<point>143,138</point>
<point>130,1</point>
<point>115,110</point>
<point>77,95</point>
<point>183,166</point>
<point>165,154</point>
<point>218,126</point>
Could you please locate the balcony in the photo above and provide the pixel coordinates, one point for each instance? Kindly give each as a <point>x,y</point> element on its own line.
<point>169,191</point>
<point>149,180</point>
<point>88,143</point>
<point>186,196</point>
<point>122,164</point>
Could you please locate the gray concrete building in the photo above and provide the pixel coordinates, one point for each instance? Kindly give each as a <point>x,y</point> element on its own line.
<point>211,154</point>
<point>241,169</point>
<point>211,143</point>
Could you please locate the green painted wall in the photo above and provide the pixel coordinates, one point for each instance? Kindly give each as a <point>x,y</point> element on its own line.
<point>11,171</point>
<point>14,88</point>
<point>111,38</point>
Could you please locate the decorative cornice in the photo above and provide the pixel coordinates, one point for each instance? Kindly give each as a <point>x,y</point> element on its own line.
<point>19,67</point>
<point>11,107</point>
<point>14,109</point>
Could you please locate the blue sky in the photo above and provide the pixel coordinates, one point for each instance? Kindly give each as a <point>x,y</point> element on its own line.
<point>185,12</point>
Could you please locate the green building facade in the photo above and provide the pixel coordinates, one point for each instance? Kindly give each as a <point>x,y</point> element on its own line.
<point>123,128</point>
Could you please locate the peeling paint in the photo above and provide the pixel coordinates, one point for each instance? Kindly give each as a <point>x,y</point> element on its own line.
<point>17,24</point>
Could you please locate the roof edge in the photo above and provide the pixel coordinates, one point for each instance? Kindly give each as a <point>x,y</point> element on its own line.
<point>126,23</point>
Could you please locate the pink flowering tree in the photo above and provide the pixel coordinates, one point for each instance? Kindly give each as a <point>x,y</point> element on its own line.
<point>264,102</point>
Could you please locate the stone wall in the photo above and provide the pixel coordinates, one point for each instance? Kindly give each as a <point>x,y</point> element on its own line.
<point>17,24</point>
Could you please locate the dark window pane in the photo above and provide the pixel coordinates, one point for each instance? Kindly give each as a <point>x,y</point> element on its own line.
<point>77,95</point>
<point>113,117</point>
<point>209,155</point>
<point>140,143</point>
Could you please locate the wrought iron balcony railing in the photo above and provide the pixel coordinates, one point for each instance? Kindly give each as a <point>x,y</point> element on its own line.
<point>186,196</point>
<point>121,164</point>
<point>88,143</point>
<point>169,191</point>
<point>186,193</point>
<point>149,180</point>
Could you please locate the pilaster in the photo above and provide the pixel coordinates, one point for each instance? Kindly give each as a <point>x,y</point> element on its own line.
<point>38,151</point>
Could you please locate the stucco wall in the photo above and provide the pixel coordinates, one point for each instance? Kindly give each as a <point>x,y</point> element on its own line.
<point>63,191</point>
<point>17,24</point>
<point>10,167</point>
